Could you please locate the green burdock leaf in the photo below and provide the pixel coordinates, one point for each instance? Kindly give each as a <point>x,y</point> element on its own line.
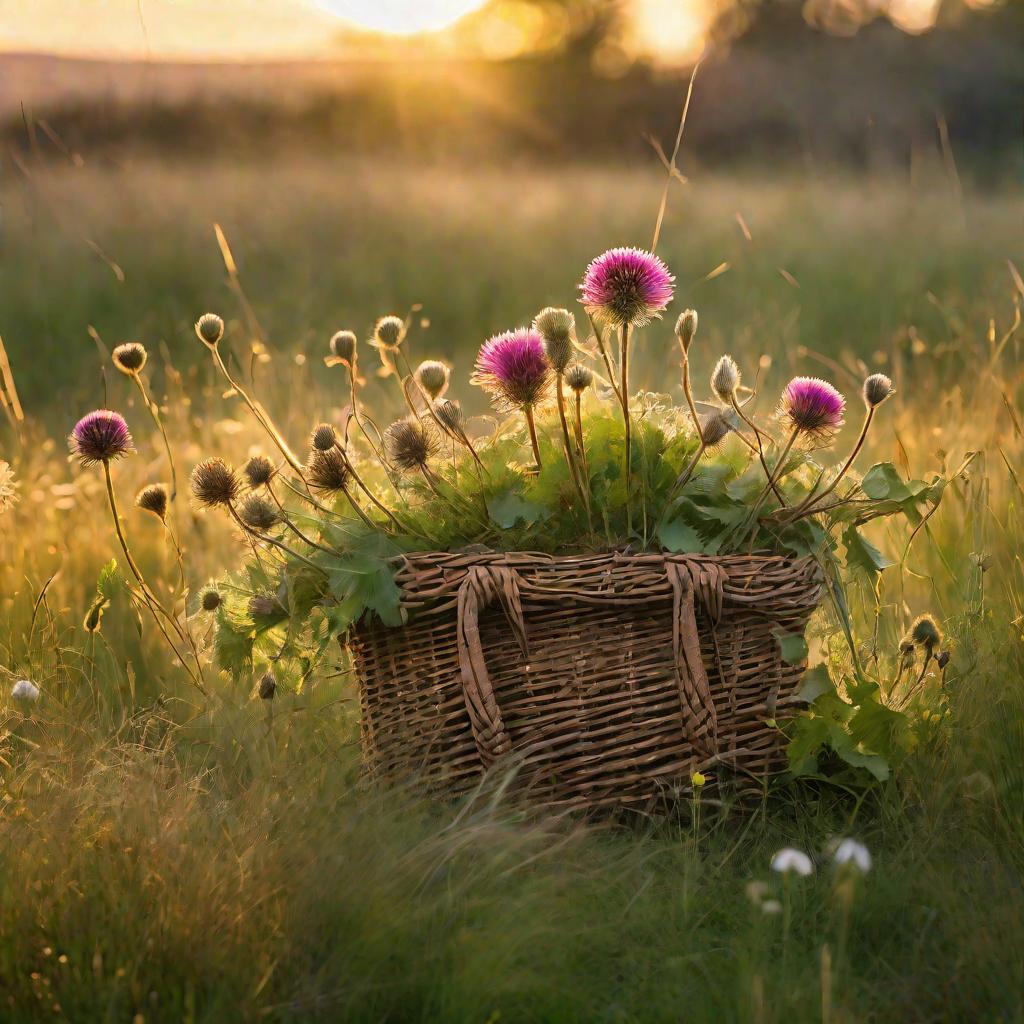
<point>882,482</point>
<point>816,681</point>
<point>792,646</point>
<point>509,509</point>
<point>679,537</point>
<point>862,554</point>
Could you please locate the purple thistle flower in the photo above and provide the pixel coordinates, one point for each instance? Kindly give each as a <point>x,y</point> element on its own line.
<point>100,436</point>
<point>626,286</point>
<point>513,368</point>
<point>813,407</point>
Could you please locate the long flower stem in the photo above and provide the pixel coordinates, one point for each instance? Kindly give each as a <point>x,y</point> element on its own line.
<point>275,543</point>
<point>154,411</point>
<point>624,385</point>
<point>811,503</point>
<point>291,526</point>
<point>577,427</point>
<point>528,412</point>
<point>751,517</point>
<point>760,446</point>
<point>688,391</point>
<point>569,456</point>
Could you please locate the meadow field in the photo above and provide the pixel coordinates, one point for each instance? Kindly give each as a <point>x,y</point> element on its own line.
<point>173,857</point>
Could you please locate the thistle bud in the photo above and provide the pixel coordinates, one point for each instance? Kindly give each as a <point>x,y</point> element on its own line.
<point>343,347</point>
<point>877,388</point>
<point>925,633</point>
<point>130,357</point>
<point>210,329</point>
<point>94,616</point>
<point>556,327</point>
<point>258,514</point>
<point>725,379</point>
<point>323,437</point>
<point>153,499</point>
<point>389,331</point>
<point>210,599</point>
<point>450,415</point>
<point>579,377</point>
<point>268,686</point>
<point>214,483</point>
<point>432,377</point>
<point>714,428</point>
<point>258,471</point>
<point>686,328</point>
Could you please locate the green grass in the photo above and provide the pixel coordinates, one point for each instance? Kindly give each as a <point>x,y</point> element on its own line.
<point>168,858</point>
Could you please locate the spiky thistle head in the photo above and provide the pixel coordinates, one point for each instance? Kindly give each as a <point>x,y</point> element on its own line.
<point>725,379</point>
<point>579,377</point>
<point>410,444</point>
<point>153,498</point>
<point>389,332</point>
<point>557,327</point>
<point>258,471</point>
<point>926,633</point>
<point>450,415</point>
<point>714,428</point>
<point>210,599</point>
<point>813,407</point>
<point>686,328</point>
<point>433,377</point>
<point>210,329</point>
<point>324,437</point>
<point>328,471</point>
<point>100,436</point>
<point>214,483</point>
<point>513,369</point>
<point>343,347</point>
<point>130,357</point>
<point>258,514</point>
<point>877,388</point>
<point>626,286</point>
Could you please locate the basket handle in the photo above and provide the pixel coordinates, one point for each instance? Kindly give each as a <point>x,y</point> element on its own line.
<point>483,584</point>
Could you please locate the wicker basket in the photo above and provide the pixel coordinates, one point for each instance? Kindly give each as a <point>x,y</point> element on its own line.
<point>607,679</point>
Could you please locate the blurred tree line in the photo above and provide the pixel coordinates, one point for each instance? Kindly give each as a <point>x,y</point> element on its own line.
<point>807,82</point>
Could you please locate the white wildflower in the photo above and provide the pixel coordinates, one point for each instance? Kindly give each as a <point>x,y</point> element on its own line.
<point>790,859</point>
<point>849,851</point>
<point>25,689</point>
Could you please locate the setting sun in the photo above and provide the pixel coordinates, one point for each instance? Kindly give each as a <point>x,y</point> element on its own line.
<point>401,17</point>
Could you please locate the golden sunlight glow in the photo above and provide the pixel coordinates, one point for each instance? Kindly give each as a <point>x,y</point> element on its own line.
<point>669,31</point>
<point>914,15</point>
<point>401,17</point>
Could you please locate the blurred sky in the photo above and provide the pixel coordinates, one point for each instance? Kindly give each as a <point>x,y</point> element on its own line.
<point>240,29</point>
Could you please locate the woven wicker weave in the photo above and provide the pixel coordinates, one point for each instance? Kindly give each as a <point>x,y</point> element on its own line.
<point>608,679</point>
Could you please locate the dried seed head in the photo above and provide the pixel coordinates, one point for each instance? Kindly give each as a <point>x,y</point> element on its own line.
<point>450,415</point>
<point>877,388</point>
<point>343,347</point>
<point>258,514</point>
<point>907,646</point>
<point>328,470</point>
<point>925,633</point>
<point>130,357</point>
<point>725,379</point>
<point>433,377</point>
<point>210,329</point>
<point>579,377</point>
<point>324,437</point>
<point>410,444</point>
<point>258,471</point>
<point>686,328</point>
<point>153,499</point>
<point>389,331</point>
<point>714,428</point>
<point>263,605</point>
<point>214,483</point>
<point>210,599</point>
<point>100,436</point>
<point>268,686</point>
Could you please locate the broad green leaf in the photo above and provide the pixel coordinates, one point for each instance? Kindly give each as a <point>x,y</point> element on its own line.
<point>792,646</point>
<point>510,509</point>
<point>679,537</point>
<point>862,554</point>
<point>816,681</point>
